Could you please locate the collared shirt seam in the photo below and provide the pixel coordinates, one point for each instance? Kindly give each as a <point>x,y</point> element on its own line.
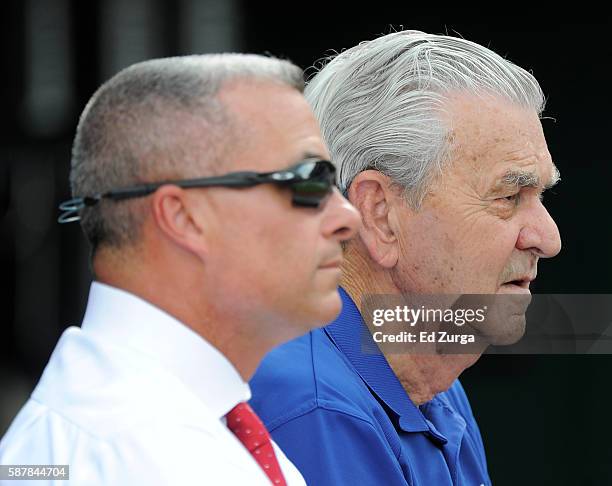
<point>79,428</point>
<point>116,436</point>
<point>352,415</point>
<point>440,403</point>
<point>314,372</point>
<point>309,407</point>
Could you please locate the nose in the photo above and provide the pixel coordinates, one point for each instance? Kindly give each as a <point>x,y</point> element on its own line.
<point>540,233</point>
<point>341,220</point>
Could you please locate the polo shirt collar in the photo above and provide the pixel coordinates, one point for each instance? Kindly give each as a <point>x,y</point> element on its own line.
<point>352,337</point>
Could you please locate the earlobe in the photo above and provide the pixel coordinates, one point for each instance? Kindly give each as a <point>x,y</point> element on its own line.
<point>371,193</point>
<point>174,218</point>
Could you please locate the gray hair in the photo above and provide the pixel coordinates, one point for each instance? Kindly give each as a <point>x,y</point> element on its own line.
<point>380,103</point>
<point>140,127</point>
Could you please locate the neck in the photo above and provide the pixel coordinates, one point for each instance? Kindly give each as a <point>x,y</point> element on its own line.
<point>421,375</point>
<point>171,290</point>
<point>424,376</point>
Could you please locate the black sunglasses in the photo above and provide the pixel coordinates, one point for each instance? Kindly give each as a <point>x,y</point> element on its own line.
<point>310,182</point>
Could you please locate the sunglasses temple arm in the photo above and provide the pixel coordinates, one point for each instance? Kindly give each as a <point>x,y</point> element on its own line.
<point>236,179</point>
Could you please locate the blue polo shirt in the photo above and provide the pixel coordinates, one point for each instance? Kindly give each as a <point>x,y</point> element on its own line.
<point>343,418</point>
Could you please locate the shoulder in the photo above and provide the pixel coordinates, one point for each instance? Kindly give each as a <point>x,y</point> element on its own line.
<point>149,452</point>
<point>307,374</point>
<point>103,390</point>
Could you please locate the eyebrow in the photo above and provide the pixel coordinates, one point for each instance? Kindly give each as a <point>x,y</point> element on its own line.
<point>521,178</point>
<point>311,154</point>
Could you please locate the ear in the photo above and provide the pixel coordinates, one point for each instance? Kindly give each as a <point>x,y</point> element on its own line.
<point>371,193</point>
<point>172,213</point>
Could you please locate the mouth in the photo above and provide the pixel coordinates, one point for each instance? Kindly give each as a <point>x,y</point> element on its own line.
<point>335,264</point>
<point>518,285</point>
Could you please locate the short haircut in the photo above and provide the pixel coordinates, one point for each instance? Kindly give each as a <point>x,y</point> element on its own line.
<point>138,127</point>
<point>380,103</point>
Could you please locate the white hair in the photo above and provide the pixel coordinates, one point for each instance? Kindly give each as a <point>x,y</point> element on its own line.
<point>380,103</point>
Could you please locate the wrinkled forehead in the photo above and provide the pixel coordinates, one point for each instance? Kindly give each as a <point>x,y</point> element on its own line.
<point>493,137</point>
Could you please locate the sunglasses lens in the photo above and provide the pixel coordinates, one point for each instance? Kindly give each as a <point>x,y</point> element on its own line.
<point>319,181</point>
<point>310,193</point>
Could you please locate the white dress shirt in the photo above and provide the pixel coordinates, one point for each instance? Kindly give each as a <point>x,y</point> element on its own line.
<point>134,397</point>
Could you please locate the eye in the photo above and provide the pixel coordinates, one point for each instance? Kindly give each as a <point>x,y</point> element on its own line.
<point>513,198</point>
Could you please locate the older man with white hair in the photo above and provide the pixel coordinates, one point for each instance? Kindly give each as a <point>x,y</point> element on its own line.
<point>439,145</point>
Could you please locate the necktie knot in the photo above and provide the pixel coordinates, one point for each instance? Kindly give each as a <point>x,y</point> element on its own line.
<point>250,430</point>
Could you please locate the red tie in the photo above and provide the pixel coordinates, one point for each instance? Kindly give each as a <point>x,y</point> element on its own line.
<point>249,430</point>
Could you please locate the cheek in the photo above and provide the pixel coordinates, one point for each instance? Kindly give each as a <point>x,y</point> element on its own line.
<point>281,254</point>
<point>491,254</point>
<point>497,241</point>
<point>428,257</point>
<point>452,254</point>
<point>438,241</point>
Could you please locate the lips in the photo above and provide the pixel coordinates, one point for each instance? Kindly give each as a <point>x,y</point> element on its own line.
<point>517,285</point>
<point>522,282</point>
<point>332,264</point>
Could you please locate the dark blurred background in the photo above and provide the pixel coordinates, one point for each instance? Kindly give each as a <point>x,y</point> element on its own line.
<point>545,419</point>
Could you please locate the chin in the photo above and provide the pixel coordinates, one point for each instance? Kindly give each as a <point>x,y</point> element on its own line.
<point>505,321</point>
<point>506,329</point>
<point>317,310</point>
<point>328,308</point>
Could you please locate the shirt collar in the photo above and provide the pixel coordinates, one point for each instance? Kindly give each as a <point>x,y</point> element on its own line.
<point>121,317</point>
<point>350,334</point>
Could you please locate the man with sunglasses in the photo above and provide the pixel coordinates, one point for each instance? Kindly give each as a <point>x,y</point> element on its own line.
<point>203,187</point>
<point>439,145</point>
